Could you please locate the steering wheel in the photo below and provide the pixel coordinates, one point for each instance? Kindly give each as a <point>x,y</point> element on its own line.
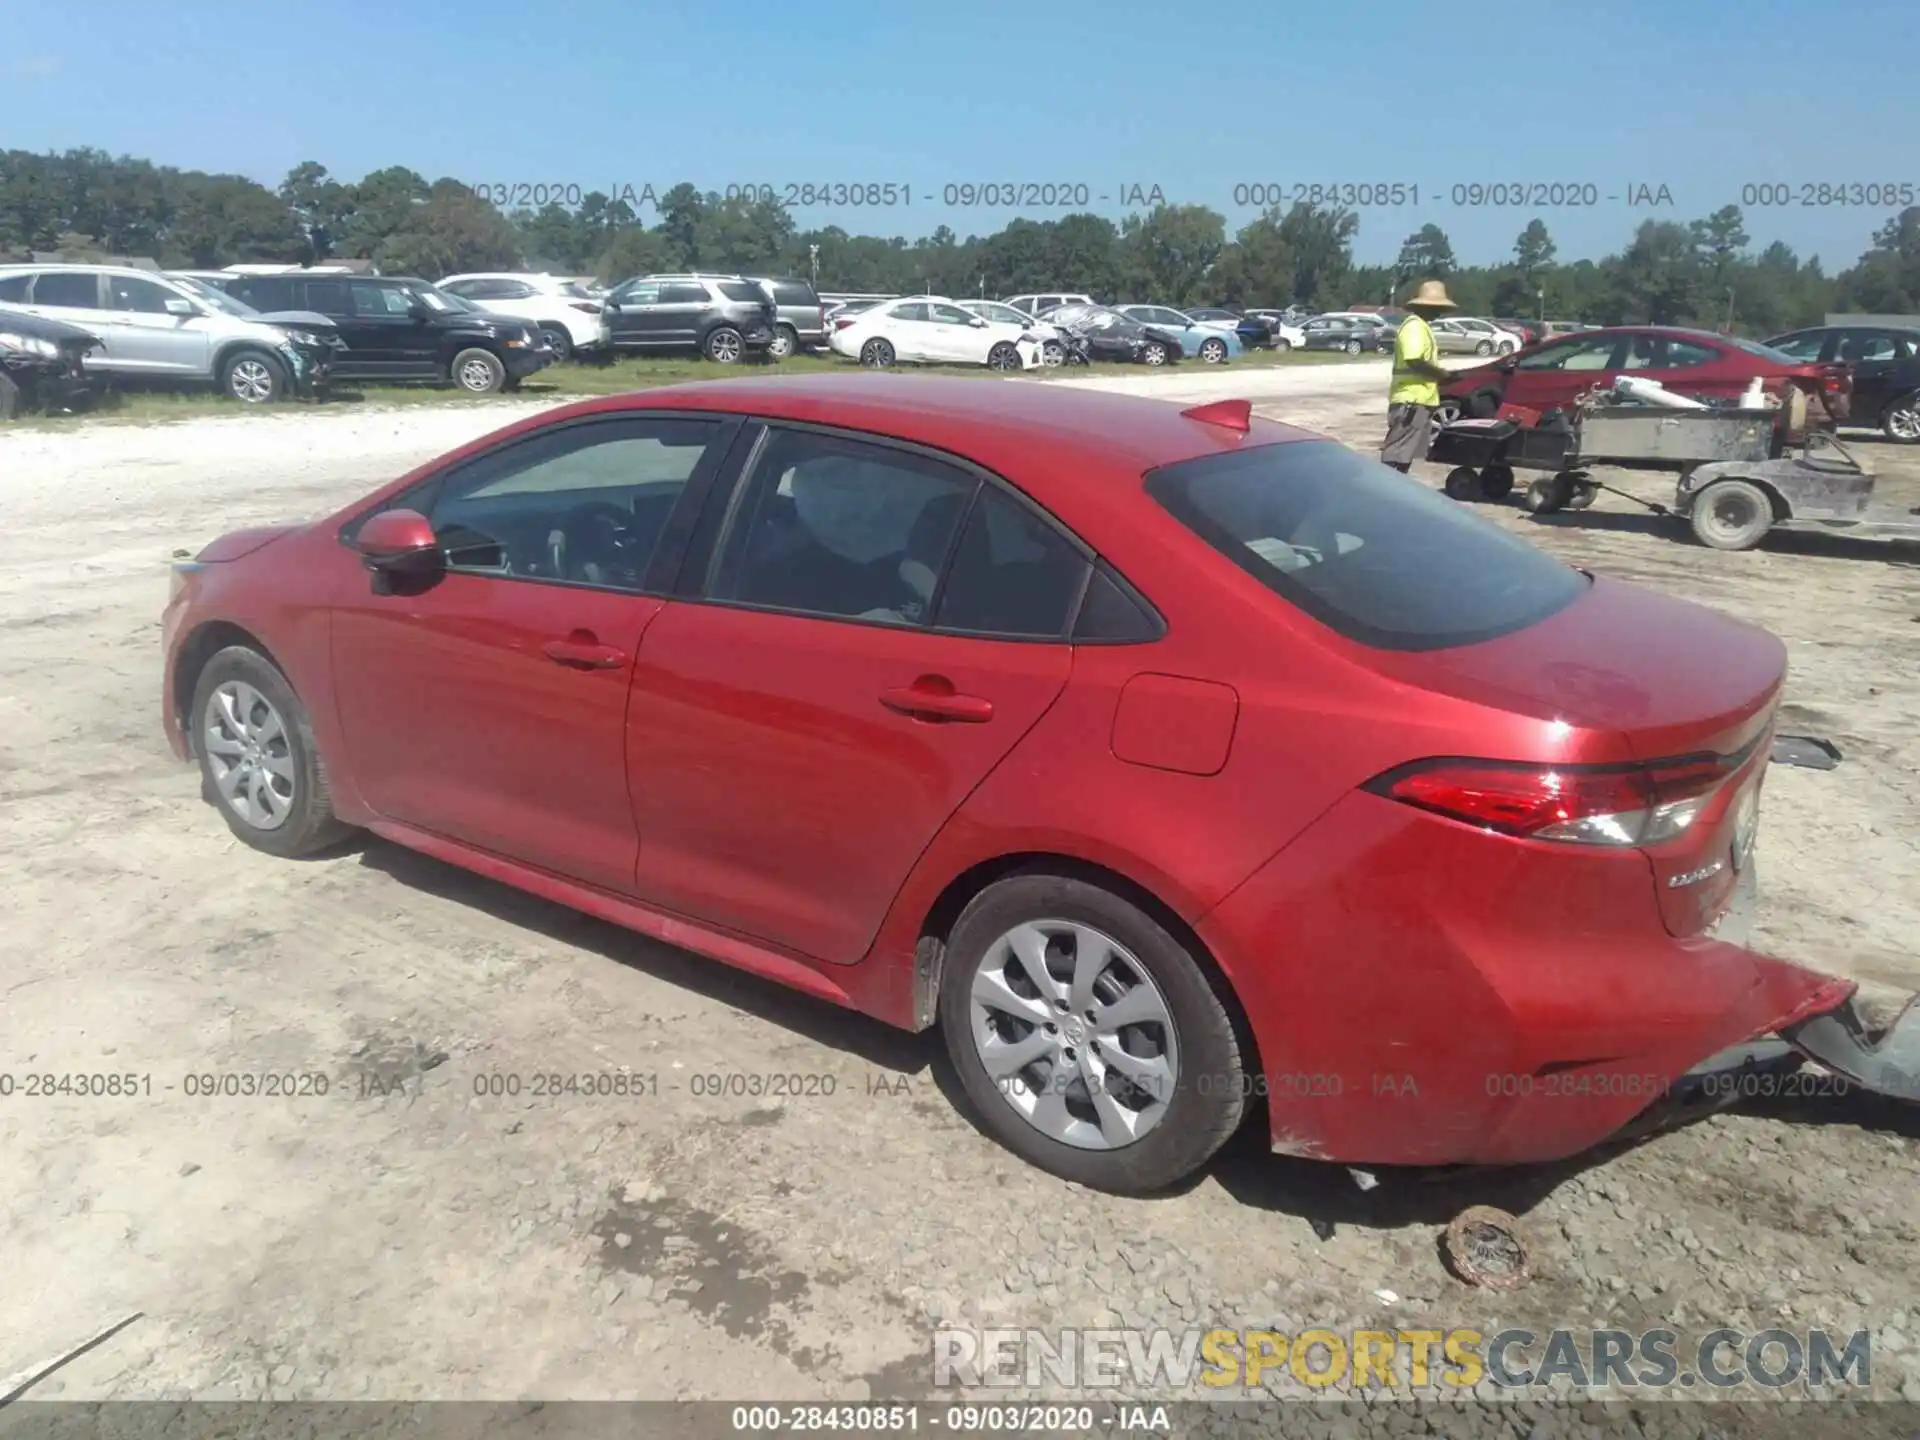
<point>595,542</point>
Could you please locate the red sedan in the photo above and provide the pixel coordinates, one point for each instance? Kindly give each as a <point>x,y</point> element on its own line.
<point>1690,362</point>
<point>1180,766</point>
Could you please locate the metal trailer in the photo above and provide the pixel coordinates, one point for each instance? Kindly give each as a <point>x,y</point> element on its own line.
<point>1737,480</point>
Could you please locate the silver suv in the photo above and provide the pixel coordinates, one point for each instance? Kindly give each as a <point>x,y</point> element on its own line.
<point>158,327</point>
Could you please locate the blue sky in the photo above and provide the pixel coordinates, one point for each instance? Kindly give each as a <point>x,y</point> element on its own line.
<point>1701,98</point>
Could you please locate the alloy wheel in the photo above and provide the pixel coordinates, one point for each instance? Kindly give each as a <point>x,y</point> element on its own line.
<point>476,375</point>
<point>1903,419</point>
<point>250,381</point>
<point>723,347</point>
<point>1154,355</point>
<point>247,748</point>
<point>782,345</point>
<point>1075,1034</point>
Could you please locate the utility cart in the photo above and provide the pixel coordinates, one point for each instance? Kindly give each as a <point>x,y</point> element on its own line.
<point>1738,478</point>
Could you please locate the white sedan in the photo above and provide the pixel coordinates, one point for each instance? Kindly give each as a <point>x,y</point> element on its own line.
<point>931,330</point>
<point>572,320</point>
<point>1052,347</point>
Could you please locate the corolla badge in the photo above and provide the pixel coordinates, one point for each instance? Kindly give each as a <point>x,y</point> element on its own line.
<point>1694,877</point>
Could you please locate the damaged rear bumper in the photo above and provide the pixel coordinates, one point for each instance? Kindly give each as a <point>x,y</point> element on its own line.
<point>1886,1061</point>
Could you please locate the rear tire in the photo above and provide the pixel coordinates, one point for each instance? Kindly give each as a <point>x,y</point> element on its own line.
<point>259,764</point>
<point>559,341</point>
<point>785,342</point>
<point>1731,515</point>
<point>724,345</point>
<point>1353,347</point>
<point>876,354</point>
<point>478,372</point>
<point>1180,1123</point>
<point>1214,352</point>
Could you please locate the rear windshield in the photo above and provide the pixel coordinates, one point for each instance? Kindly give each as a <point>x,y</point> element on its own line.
<point>743,290</point>
<point>1366,551</point>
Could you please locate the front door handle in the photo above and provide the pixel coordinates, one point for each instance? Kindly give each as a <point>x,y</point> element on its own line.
<point>934,699</point>
<point>582,653</point>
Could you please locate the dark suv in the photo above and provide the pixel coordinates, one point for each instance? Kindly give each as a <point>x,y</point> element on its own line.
<point>801,322</point>
<point>723,317</point>
<point>399,328</point>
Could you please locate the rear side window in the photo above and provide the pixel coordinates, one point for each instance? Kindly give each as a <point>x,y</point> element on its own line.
<point>14,287</point>
<point>744,290</point>
<point>792,292</point>
<point>1013,574</point>
<point>1364,550</point>
<point>263,294</point>
<point>67,290</point>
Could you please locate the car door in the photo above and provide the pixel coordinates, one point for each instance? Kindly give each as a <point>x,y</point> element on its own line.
<point>907,326</point>
<point>1873,356</point>
<point>403,344</point>
<point>78,297</point>
<point>1558,372</point>
<point>489,704</point>
<point>635,324</point>
<point>956,337</point>
<point>799,730</point>
<point>1687,367</point>
<point>148,337</point>
<point>683,305</point>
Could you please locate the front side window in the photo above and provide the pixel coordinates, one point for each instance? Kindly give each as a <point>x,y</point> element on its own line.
<point>378,300</point>
<point>143,297</point>
<point>838,527</point>
<point>14,287</point>
<point>684,292</point>
<point>587,504</point>
<point>1869,345</point>
<point>1377,557</point>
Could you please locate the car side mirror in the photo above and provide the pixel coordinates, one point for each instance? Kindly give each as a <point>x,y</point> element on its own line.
<point>610,306</point>
<point>181,307</point>
<point>398,542</point>
<point>978,323</point>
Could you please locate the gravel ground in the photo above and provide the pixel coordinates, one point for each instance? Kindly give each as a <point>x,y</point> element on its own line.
<point>405,1238</point>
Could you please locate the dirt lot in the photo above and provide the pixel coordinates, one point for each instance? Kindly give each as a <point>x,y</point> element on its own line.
<point>403,1237</point>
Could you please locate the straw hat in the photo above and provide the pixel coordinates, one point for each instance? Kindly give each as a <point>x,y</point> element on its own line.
<point>1432,295</point>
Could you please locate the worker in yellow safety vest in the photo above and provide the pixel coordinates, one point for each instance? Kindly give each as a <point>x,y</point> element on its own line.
<point>1417,373</point>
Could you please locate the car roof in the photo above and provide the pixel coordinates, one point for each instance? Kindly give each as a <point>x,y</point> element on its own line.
<point>995,423</point>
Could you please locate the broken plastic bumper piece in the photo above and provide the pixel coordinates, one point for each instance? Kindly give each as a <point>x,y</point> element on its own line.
<point>1887,1062</point>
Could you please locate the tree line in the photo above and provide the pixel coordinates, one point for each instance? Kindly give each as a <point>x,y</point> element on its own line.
<point>1705,272</point>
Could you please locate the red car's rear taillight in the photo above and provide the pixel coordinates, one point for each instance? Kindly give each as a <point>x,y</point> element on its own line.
<point>1580,804</point>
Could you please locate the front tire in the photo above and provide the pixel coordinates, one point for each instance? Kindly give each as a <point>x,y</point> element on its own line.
<point>1087,1037</point>
<point>1485,347</point>
<point>478,372</point>
<point>1282,344</point>
<point>1353,347</point>
<point>259,764</point>
<point>253,377</point>
<point>1053,354</point>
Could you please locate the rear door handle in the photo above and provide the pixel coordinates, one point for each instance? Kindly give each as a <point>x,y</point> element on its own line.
<point>584,654</point>
<point>924,703</point>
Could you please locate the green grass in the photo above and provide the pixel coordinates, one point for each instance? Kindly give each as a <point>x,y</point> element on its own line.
<point>147,406</point>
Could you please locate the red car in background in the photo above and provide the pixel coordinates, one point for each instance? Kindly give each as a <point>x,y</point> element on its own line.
<point>1180,766</point>
<point>1690,362</point>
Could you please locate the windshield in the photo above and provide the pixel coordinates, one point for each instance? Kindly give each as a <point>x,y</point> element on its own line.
<point>213,295</point>
<point>1369,553</point>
